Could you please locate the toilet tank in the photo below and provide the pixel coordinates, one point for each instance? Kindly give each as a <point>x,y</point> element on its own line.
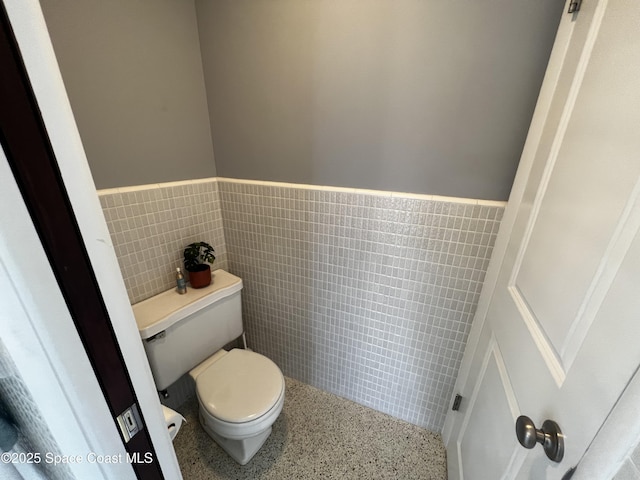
<point>180,331</point>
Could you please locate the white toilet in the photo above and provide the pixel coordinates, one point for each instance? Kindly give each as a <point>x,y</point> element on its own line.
<point>240,392</point>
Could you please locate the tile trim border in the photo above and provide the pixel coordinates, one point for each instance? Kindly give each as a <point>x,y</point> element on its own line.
<point>152,186</point>
<point>303,186</point>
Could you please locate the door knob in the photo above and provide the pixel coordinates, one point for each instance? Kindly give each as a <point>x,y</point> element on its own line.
<point>549,436</point>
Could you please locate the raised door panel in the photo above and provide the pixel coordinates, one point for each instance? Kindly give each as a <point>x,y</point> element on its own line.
<point>580,217</point>
<point>492,410</point>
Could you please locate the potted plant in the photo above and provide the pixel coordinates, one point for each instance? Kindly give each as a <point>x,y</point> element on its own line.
<point>195,256</point>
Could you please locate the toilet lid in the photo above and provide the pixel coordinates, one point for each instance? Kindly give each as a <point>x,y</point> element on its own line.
<point>240,387</point>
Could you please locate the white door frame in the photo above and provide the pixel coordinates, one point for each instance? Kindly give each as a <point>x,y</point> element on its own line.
<point>506,226</point>
<point>38,330</point>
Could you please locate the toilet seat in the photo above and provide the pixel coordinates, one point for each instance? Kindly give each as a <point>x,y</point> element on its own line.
<point>241,386</point>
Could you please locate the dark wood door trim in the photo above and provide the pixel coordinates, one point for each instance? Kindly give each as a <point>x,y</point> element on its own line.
<point>26,144</point>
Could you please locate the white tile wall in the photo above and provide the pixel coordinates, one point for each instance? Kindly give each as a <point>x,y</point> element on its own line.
<point>630,469</point>
<point>368,295</point>
<point>17,405</point>
<point>151,224</point>
<point>364,294</point>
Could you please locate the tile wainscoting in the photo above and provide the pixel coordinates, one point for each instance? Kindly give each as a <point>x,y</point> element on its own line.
<point>367,295</point>
<point>18,407</point>
<point>151,224</point>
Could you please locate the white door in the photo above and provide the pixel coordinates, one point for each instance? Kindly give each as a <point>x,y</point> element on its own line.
<point>557,333</point>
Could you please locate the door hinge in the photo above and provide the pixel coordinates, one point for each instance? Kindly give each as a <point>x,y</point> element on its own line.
<point>456,402</point>
<point>129,422</point>
<point>574,6</point>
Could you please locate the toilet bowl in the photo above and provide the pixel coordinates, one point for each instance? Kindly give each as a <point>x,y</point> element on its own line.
<point>240,395</point>
<point>240,392</point>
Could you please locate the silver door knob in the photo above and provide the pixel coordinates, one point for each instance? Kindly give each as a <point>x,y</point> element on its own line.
<point>549,436</point>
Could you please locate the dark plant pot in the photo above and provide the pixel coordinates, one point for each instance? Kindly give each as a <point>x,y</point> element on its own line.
<point>200,276</point>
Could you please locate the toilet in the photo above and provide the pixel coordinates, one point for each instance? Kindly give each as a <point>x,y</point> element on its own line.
<point>240,393</point>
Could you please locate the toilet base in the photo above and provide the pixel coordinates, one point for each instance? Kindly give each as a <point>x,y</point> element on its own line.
<point>242,451</point>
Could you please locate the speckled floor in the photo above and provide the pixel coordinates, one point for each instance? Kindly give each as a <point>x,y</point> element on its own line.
<point>318,435</point>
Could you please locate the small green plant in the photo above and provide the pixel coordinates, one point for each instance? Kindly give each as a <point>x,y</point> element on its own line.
<point>195,256</point>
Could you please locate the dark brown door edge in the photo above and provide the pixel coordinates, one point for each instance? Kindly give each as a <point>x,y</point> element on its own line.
<point>26,144</point>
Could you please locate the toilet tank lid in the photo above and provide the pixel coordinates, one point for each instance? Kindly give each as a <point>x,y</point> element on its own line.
<point>158,313</point>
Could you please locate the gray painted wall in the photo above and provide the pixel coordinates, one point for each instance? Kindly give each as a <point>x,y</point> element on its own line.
<point>133,73</point>
<point>425,96</point>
